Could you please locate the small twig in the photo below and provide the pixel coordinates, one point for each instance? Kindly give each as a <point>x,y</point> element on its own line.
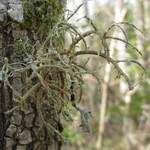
<point>115,38</point>
<point>77,40</point>
<point>133,26</point>
<point>120,71</point>
<point>132,61</point>
<point>75,11</point>
<point>124,33</point>
<point>77,32</point>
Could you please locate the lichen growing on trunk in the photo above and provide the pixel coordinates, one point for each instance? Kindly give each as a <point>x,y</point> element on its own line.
<point>33,125</point>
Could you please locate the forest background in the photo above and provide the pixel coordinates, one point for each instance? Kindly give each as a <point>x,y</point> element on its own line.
<point>122,117</point>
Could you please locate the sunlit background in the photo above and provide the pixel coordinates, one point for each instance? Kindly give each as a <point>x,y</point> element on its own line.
<point>122,117</point>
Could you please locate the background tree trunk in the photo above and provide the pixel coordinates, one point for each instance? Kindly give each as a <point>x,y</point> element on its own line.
<point>23,130</point>
<point>120,12</point>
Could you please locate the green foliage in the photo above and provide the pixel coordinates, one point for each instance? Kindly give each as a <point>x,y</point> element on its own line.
<point>113,109</point>
<point>129,14</point>
<point>114,144</point>
<point>135,108</point>
<point>74,137</point>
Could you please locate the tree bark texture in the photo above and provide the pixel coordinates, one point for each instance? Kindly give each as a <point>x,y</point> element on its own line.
<point>23,130</point>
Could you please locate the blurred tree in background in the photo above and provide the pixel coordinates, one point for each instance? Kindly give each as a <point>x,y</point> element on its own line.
<point>121,116</point>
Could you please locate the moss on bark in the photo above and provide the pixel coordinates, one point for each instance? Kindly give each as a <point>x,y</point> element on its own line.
<point>40,18</point>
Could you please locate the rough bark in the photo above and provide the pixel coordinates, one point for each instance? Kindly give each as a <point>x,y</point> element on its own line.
<point>23,129</point>
<point>5,93</point>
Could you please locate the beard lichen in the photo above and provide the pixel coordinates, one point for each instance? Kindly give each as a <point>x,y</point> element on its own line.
<point>51,77</point>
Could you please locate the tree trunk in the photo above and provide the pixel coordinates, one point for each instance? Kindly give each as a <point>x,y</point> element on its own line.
<point>23,129</point>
